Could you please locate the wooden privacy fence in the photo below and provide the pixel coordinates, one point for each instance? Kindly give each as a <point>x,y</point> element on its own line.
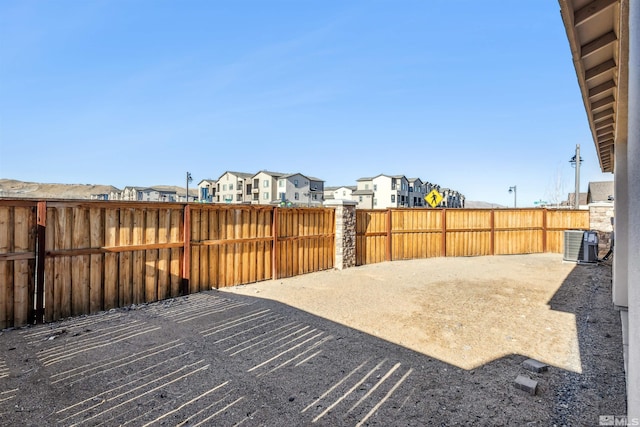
<point>394,234</point>
<point>67,258</point>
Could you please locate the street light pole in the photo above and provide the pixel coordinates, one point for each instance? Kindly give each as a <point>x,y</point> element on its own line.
<point>514,189</point>
<point>189,179</point>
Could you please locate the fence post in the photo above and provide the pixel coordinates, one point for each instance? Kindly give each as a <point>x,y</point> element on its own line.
<point>41,220</point>
<point>345,232</point>
<point>389,242</point>
<point>186,256</point>
<point>275,258</point>
<point>493,232</point>
<point>444,233</point>
<point>544,231</point>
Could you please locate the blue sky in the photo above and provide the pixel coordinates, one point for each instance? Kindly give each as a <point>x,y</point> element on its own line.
<point>472,95</point>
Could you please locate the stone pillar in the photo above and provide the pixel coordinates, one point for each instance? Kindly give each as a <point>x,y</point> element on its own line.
<point>600,215</point>
<point>633,168</point>
<point>345,256</point>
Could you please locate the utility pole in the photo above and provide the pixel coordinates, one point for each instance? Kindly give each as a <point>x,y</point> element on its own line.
<point>577,200</point>
<point>189,179</point>
<point>575,162</point>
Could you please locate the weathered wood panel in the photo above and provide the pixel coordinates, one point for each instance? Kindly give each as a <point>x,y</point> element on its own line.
<point>371,236</point>
<point>305,240</point>
<point>468,232</point>
<point>519,231</point>
<point>17,263</point>
<point>560,220</point>
<point>101,255</point>
<point>231,245</point>
<point>416,233</point>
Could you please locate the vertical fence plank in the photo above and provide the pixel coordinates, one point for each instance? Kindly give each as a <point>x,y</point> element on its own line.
<point>6,270</point>
<point>151,230</point>
<point>176,234</point>
<point>96,268</point>
<point>21,277</point>
<point>164,254</point>
<point>111,260</point>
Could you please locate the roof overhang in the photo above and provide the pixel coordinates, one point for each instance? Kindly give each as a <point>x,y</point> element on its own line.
<point>598,34</point>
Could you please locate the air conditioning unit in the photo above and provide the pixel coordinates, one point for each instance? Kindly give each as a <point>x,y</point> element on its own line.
<point>589,247</point>
<point>573,240</point>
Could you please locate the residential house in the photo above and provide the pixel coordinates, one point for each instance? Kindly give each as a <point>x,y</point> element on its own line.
<point>364,198</point>
<point>207,191</point>
<point>234,187</point>
<point>265,187</point>
<point>145,194</point>
<point>300,190</point>
<point>417,192</point>
<point>390,191</point>
<point>339,193</point>
<point>601,191</point>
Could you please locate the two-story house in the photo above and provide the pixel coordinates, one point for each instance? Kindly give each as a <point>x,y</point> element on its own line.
<point>417,191</point>
<point>339,193</point>
<point>265,187</point>
<point>234,187</point>
<point>207,191</point>
<point>300,190</point>
<point>146,194</point>
<point>390,191</point>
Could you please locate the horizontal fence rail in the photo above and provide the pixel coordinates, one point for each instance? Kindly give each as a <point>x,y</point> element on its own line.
<point>67,258</point>
<point>395,234</point>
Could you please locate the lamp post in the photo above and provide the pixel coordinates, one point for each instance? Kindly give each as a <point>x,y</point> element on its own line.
<point>575,162</point>
<point>189,179</point>
<point>514,190</point>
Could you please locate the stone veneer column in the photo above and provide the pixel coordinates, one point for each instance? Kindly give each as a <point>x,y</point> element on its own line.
<point>600,215</point>
<point>345,255</point>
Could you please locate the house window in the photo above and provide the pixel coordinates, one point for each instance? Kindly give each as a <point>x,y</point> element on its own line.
<point>375,202</point>
<point>239,197</point>
<point>375,187</point>
<point>359,198</point>
<point>393,198</point>
<point>344,193</point>
<point>281,196</point>
<point>366,186</point>
<point>230,186</point>
<point>265,183</point>
<point>224,187</point>
<point>315,196</point>
<point>281,183</point>
<point>265,195</point>
<point>296,196</point>
<point>295,183</point>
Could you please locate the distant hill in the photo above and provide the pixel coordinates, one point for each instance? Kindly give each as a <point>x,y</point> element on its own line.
<point>471,204</point>
<point>12,188</point>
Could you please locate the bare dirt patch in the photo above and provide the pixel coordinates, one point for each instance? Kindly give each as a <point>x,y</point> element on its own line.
<point>424,342</point>
<point>464,311</point>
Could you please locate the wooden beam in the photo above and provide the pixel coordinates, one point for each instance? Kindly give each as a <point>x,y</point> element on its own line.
<point>603,114</point>
<point>597,44</point>
<point>605,136</point>
<point>603,102</point>
<point>606,143</point>
<point>587,12</point>
<point>599,69</point>
<point>603,131</point>
<point>596,90</point>
<point>604,123</point>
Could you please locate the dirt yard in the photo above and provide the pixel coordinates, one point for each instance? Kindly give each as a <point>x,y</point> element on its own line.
<point>423,342</point>
<point>464,311</point>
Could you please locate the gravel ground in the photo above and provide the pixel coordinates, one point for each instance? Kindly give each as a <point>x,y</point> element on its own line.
<point>224,358</point>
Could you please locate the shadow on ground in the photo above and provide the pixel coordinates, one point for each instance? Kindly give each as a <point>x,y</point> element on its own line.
<point>216,358</point>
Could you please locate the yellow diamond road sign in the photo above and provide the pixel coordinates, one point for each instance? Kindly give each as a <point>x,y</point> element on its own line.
<point>434,198</point>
